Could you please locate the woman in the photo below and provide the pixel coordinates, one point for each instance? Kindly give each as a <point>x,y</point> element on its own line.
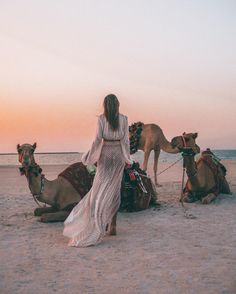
<point>86,224</point>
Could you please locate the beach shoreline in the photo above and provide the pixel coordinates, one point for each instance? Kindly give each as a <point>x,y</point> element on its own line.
<point>155,251</point>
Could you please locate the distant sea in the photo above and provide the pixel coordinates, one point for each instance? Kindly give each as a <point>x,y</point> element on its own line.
<point>67,158</point>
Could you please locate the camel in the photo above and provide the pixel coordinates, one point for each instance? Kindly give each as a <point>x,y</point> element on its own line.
<point>63,193</point>
<point>60,194</point>
<point>148,137</point>
<point>206,176</point>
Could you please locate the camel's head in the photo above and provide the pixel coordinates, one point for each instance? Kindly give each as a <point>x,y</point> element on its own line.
<point>26,154</point>
<point>186,141</point>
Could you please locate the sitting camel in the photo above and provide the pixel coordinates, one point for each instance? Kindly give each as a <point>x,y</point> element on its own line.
<point>58,193</point>
<point>71,185</point>
<point>206,177</point>
<point>148,137</point>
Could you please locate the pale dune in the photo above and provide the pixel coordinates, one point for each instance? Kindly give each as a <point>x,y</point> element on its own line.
<point>155,251</point>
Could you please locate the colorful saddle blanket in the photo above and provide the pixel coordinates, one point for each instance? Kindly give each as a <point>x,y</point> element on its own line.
<point>79,177</point>
<point>137,189</point>
<point>213,162</point>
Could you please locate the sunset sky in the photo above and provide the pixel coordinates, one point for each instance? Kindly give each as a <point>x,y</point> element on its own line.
<point>172,63</point>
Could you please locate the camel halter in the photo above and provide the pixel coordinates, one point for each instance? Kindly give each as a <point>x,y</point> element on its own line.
<point>36,195</point>
<point>25,172</point>
<point>22,154</point>
<point>186,152</point>
<point>184,141</point>
<point>40,191</point>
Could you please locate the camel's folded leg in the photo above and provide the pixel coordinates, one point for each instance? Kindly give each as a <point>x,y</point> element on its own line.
<point>59,216</point>
<point>189,197</point>
<point>41,210</point>
<point>209,198</point>
<point>112,226</point>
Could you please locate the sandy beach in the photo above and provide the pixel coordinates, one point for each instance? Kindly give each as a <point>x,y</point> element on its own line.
<point>155,251</point>
<point>145,78</point>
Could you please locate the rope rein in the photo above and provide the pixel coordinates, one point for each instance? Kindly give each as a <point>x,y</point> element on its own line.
<point>42,184</point>
<point>185,208</point>
<point>169,166</point>
<point>40,192</point>
<point>35,199</point>
<point>186,151</point>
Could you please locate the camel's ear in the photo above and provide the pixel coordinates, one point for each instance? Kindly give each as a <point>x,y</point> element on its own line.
<point>18,147</point>
<point>34,145</point>
<point>186,137</point>
<point>196,149</point>
<point>195,135</point>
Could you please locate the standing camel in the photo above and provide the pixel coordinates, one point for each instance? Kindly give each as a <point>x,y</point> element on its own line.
<point>148,137</point>
<point>206,176</point>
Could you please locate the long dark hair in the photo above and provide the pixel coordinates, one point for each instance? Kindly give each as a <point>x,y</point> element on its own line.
<point>111,110</point>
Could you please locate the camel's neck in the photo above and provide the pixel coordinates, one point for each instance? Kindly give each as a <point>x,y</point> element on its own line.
<point>191,170</point>
<point>34,183</point>
<point>38,184</point>
<point>166,145</point>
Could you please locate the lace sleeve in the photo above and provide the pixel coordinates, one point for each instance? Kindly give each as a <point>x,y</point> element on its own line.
<point>99,131</point>
<point>125,142</point>
<point>92,156</point>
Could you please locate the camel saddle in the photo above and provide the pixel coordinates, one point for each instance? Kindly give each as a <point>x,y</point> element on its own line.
<point>79,177</point>
<point>213,162</point>
<point>137,191</point>
<point>217,168</point>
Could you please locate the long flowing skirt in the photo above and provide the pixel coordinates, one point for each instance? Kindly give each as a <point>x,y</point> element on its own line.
<point>87,222</point>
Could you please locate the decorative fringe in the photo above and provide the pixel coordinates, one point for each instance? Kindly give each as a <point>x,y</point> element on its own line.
<point>135,131</point>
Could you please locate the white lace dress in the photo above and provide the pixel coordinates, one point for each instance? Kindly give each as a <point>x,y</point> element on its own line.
<point>86,224</point>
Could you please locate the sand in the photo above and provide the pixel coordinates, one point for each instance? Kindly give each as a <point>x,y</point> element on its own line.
<point>155,251</point>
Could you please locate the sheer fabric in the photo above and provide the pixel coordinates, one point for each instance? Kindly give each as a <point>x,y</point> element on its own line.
<point>104,131</point>
<point>86,224</point>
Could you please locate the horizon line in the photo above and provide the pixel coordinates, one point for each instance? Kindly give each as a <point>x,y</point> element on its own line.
<point>54,152</point>
<point>76,152</point>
